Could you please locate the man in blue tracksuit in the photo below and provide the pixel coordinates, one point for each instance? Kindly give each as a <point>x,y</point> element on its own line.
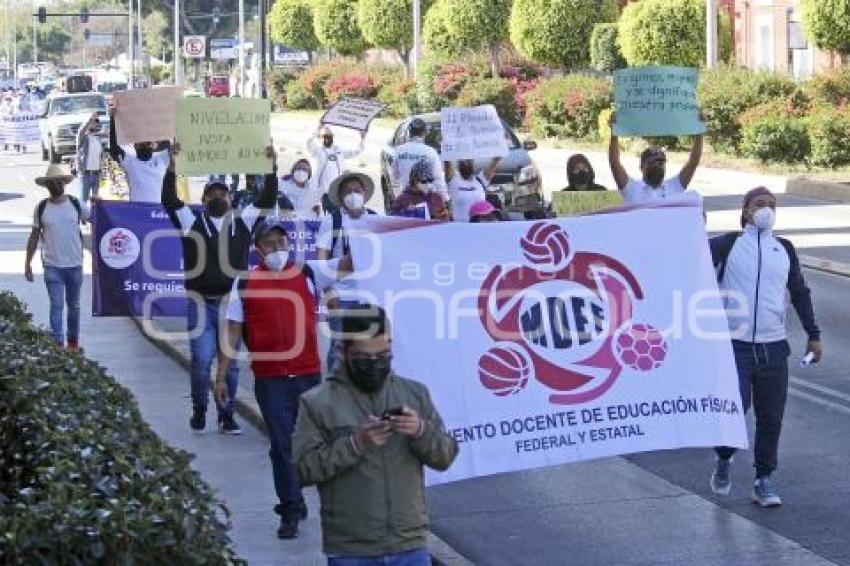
<point>755,269</point>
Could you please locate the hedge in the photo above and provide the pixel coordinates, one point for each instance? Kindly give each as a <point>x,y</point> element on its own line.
<point>605,55</point>
<point>829,130</point>
<point>83,479</point>
<point>499,92</point>
<point>776,137</point>
<point>568,106</point>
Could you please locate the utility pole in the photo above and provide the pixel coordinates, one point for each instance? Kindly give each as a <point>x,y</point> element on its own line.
<point>139,33</point>
<point>417,36</point>
<point>178,49</point>
<point>34,38</point>
<point>264,50</point>
<point>130,51</point>
<point>241,89</point>
<point>711,33</point>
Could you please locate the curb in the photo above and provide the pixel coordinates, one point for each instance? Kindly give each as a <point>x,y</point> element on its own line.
<point>825,265</point>
<point>441,553</point>
<point>824,190</point>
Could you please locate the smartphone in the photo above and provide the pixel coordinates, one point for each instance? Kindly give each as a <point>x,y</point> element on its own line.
<point>397,412</point>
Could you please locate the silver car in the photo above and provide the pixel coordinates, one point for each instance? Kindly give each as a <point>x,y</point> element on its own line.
<point>64,115</point>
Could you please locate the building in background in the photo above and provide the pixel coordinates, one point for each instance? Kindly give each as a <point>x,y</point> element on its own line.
<point>769,35</point>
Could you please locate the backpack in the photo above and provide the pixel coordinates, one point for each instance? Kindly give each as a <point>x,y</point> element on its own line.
<point>727,242</point>
<point>336,230</point>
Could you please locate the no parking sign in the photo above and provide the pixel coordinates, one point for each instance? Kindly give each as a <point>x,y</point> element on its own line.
<point>194,46</point>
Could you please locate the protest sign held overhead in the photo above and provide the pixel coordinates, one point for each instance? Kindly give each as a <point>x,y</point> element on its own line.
<point>472,133</point>
<point>223,135</point>
<point>146,114</point>
<point>571,203</point>
<point>565,342</point>
<point>354,113</point>
<point>657,101</point>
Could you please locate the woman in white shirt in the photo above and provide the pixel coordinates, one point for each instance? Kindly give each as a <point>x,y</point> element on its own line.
<point>467,187</point>
<point>300,188</point>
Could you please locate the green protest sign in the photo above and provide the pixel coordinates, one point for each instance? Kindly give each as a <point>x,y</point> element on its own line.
<point>223,135</point>
<point>657,101</point>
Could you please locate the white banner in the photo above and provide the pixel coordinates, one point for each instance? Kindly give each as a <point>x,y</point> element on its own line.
<point>472,133</point>
<point>354,113</point>
<point>19,129</point>
<point>559,340</point>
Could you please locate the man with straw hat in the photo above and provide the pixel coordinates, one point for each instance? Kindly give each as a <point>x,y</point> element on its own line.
<point>56,222</point>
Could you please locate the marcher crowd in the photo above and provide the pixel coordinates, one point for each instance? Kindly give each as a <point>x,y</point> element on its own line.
<point>361,433</point>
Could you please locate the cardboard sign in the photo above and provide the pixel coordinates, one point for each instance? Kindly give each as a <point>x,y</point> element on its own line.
<point>573,203</point>
<point>354,113</point>
<point>146,114</point>
<point>657,101</point>
<point>223,135</point>
<point>472,133</point>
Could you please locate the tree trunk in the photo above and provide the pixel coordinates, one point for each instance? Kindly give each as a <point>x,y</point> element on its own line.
<point>495,63</point>
<point>405,59</point>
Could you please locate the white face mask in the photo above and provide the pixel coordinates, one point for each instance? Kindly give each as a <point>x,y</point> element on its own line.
<point>300,176</point>
<point>764,218</point>
<point>353,201</point>
<point>276,261</point>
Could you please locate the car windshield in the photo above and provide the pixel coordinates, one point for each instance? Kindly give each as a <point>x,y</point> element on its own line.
<point>433,137</point>
<point>219,80</point>
<point>77,105</point>
<point>111,87</point>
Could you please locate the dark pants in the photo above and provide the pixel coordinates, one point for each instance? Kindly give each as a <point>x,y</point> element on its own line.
<point>278,400</point>
<point>763,379</point>
<point>417,557</point>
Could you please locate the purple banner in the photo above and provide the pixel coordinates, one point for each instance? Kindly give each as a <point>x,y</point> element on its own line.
<point>138,259</point>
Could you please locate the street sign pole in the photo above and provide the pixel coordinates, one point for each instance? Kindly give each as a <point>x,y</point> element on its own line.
<point>711,33</point>
<point>241,89</point>
<point>178,77</point>
<point>139,33</point>
<point>130,55</point>
<point>417,36</point>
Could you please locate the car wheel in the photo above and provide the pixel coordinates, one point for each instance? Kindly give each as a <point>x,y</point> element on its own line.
<point>388,195</point>
<point>44,155</point>
<point>53,155</point>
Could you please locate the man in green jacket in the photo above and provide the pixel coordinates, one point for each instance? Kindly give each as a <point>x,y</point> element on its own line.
<point>363,437</point>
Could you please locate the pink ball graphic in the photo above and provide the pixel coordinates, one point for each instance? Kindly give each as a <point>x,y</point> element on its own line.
<point>504,370</point>
<point>640,347</point>
<point>546,244</point>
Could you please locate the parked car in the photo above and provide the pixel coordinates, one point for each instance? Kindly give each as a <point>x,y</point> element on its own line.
<point>516,183</point>
<point>64,115</point>
<point>218,85</point>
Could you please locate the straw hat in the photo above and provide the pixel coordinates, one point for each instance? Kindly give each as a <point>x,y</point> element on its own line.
<point>366,180</point>
<point>55,172</point>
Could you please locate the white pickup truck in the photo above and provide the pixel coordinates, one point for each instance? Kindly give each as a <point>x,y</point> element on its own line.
<point>64,115</point>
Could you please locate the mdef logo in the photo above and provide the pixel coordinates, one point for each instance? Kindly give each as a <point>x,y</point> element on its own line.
<point>565,320</point>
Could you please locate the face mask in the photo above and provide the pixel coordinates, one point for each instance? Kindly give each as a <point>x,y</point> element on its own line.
<point>426,187</point>
<point>276,261</point>
<point>654,175</point>
<point>218,207</point>
<point>55,191</point>
<point>327,142</point>
<point>300,176</point>
<point>353,201</point>
<point>144,153</point>
<point>764,218</point>
<point>369,374</point>
<point>466,170</point>
<point>581,177</point>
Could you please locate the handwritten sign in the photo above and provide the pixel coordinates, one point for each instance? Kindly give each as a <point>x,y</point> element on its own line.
<point>657,101</point>
<point>354,113</point>
<point>472,133</point>
<point>146,114</point>
<point>223,135</point>
<point>573,203</point>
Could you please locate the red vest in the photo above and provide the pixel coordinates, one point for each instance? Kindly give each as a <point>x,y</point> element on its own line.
<point>280,329</point>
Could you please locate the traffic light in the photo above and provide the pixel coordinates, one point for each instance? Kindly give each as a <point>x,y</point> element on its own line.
<point>216,14</point>
<point>42,15</point>
<point>84,15</point>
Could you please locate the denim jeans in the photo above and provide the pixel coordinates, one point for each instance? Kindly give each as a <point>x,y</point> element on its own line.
<point>416,557</point>
<point>90,185</point>
<point>204,349</point>
<point>278,400</point>
<point>763,379</point>
<point>63,287</point>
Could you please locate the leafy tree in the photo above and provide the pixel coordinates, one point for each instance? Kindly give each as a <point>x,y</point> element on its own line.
<point>669,32</point>
<point>387,24</point>
<point>291,23</point>
<point>155,34</point>
<point>605,53</point>
<point>335,23</point>
<point>557,32</point>
<point>479,23</point>
<point>827,24</point>
<point>53,40</point>
<point>437,37</point>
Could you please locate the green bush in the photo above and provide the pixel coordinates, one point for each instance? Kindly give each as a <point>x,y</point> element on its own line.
<point>83,479</point>
<point>499,92</point>
<point>440,82</point>
<point>400,97</point>
<point>568,106</point>
<point>291,23</point>
<point>829,130</point>
<point>670,32</point>
<point>605,53</point>
<point>442,44</point>
<point>776,137</point>
<point>726,92</point>
<point>335,24</point>
<point>299,97</point>
<point>557,32</point>
<point>831,88</point>
<point>278,81</point>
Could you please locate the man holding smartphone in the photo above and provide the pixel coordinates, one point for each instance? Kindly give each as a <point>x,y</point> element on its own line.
<point>363,437</point>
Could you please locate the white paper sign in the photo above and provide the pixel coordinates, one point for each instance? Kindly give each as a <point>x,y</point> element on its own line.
<point>561,340</point>
<point>354,113</point>
<point>472,133</point>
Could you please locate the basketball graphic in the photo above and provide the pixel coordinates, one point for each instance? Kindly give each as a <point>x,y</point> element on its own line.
<point>504,370</point>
